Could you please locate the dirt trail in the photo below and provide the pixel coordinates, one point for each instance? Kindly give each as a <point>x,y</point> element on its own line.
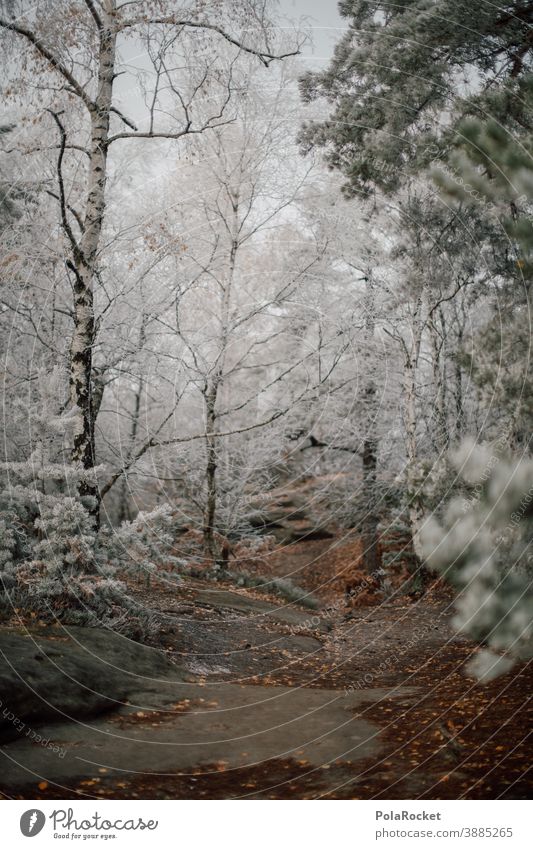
<point>284,702</point>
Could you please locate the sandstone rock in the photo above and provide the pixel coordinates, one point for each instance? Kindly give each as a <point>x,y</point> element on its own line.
<point>59,673</point>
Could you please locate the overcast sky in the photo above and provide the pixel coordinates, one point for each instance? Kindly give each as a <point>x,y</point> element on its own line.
<point>318,16</point>
<point>323,18</point>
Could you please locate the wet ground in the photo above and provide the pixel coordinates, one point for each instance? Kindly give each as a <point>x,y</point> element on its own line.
<point>287,702</point>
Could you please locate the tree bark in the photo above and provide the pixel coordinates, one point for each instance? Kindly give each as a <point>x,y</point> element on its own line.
<point>211,397</point>
<point>370,541</point>
<point>123,508</point>
<point>411,446</point>
<point>371,549</point>
<point>211,481</point>
<point>440,434</point>
<point>84,267</point>
<point>415,511</point>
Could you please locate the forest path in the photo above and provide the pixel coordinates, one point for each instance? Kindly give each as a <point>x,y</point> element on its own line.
<point>269,700</point>
<point>176,731</point>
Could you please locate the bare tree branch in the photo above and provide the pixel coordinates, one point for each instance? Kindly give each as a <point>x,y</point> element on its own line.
<point>62,200</point>
<point>94,13</point>
<point>264,56</point>
<point>51,59</point>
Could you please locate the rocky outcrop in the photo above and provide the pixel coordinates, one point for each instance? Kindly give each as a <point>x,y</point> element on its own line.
<point>55,674</point>
<point>289,518</point>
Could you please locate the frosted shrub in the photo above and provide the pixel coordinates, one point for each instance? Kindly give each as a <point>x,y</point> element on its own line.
<point>54,564</point>
<point>144,545</point>
<point>13,540</point>
<point>54,568</point>
<point>482,544</point>
<point>68,534</point>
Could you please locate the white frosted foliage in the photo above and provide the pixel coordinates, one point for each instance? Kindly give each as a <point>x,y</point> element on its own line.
<point>482,548</point>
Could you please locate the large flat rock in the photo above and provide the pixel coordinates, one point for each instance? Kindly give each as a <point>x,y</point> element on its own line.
<point>262,611</point>
<point>58,673</point>
<point>175,728</point>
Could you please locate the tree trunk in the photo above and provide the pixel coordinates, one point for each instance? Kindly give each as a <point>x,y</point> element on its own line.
<point>411,446</point>
<point>211,481</point>
<point>440,435</point>
<point>371,549</point>
<point>458,398</point>
<point>84,267</point>
<point>211,397</point>
<point>415,510</point>
<point>123,508</point>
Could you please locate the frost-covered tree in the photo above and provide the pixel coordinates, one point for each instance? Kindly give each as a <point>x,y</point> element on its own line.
<point>482,543</point>
<point>490,168</point>
<point>49,559</point>
<point>346,432</point>
<point>79,51</point>
<point>404,75</point>
<point>233,292</point>
<point>483,540</point>
<point>402,80</point>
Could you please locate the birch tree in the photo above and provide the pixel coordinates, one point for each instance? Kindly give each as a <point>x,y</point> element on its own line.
<point>75,50</point>
<point>233,299</point>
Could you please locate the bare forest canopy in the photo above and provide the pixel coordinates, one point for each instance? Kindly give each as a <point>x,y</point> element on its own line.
<point>229,272</point>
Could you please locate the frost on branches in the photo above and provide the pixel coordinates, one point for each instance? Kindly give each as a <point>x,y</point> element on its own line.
<point>144,546</point>
<point>483,545</point>
<point>54,562</point>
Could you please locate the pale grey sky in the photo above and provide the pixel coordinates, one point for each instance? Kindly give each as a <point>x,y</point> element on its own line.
<point>323,18</point>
